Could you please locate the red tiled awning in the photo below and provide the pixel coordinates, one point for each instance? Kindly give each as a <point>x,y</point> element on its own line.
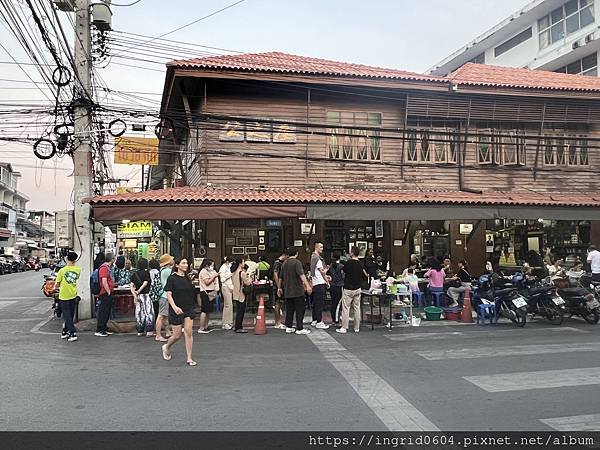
<point>222,203</point>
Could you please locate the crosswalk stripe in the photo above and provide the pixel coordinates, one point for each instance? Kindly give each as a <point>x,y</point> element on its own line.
<point>522,381</point>
<point>5,304</point>
<point>589,422</point>
<point>395,411</point>
<point>424,336</point>
<point>514,350</point>
<point>39,310</point>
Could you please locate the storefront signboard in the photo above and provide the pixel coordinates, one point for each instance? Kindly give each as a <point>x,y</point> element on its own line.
<point>139,229</point>
<point>244,241</point>
<point>466,228</point>
<point>136,150</point>
<point>297,243</point>
<point>397,243</point>
<point>307,228</point>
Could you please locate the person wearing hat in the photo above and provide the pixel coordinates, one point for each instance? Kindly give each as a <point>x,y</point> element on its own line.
<point>166,264</point>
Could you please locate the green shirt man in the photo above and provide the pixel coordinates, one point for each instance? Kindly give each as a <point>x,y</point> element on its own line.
<point>67,278</point>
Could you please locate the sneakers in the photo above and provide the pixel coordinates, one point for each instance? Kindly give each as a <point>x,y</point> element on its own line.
<point>321,326</point>
<point>341,330</point>
<point>313,323</point>
<point>280,327</point>
<point>101,334</point>
<point>303,331</point>
<point>204,331</point>
<point>290,330</point>
<point>356,331</point>
<point>64,334</point>
<point>226,326</point>
<point>109,332</point>
<point>72,338</point>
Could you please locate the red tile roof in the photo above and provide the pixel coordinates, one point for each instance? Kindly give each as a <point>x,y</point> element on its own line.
<point>286,63</point>
<point>211,195</point>
<point>486,75</point>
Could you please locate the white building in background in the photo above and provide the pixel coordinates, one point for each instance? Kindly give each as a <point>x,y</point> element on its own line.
<point>554,35</point>
<point>13,205</point>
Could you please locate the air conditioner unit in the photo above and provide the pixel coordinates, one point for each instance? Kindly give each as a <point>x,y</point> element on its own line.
<point>575,45</point>
<point>589,38</point>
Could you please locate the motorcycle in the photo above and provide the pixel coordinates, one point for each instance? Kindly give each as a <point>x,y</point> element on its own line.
<point>580,297</point>
<point>33,265</point>
<point>509,303</point>
<point>542,300</point>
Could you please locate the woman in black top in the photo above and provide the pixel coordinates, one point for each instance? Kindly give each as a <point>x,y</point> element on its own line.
<point>140,288</point>
<point>181,295</point>
<point>464,278</point>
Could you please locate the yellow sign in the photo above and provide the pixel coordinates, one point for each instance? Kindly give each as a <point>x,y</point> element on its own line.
<point>134,230</point>
<point>136,150</point>
<point>124,190</point>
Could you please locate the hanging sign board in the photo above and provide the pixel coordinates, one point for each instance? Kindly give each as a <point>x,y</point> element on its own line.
<point>136,150</point>
<point>466,228</point>
<point>139,229</point>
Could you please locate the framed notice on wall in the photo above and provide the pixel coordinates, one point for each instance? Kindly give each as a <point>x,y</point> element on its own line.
<point>232,131</point>
<point>379,228</point>
<point>250,250</point>
<point>237,250</point>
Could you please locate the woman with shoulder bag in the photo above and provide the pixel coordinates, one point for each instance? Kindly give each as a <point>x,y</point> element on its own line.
<point>242,284</point>
<point>209,287</point>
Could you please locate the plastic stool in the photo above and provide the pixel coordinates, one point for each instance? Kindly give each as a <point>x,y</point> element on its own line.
<point>484,309</point>
<point>420,298</point>
<point>437,293</point>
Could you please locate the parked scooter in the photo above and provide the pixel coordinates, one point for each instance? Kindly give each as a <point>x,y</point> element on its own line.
<point>580,297</point>
<point>49,285</point>
<point>509,303</point>
<point>542,300</point>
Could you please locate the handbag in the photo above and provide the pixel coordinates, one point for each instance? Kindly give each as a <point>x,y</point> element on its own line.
<point>212,295</point>
<point>247,290</point>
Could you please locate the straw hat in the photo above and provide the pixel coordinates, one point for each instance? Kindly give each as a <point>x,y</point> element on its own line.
<point>165,260</point>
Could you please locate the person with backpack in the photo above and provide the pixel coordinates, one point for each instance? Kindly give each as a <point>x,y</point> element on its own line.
<point>140,288</point>
<point>166,262</point>
<point>106,284</point>
<point>336,272</point>
<point>66,281</point>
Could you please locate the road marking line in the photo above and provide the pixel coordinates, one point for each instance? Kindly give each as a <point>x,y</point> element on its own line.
<point>395,411</point>
<point>5,304</point>
<point>39,310</point>
<point>515,350</point>
<point>36,328</point>
<point>22,298</point>
<point>522,381</point>
<point>424,336</point>
<point>19,320</point>
<point>589,422</point>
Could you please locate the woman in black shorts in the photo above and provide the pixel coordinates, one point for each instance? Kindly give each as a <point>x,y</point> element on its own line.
<point>181,295</point>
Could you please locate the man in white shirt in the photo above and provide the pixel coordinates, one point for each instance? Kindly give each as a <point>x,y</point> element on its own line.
<point>594,259</point>
<point>318,273</point>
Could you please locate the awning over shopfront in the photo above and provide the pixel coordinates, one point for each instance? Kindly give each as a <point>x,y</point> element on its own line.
<point>341,204</point>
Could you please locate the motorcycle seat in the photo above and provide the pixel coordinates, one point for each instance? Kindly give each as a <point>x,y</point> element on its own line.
<point>573,292</point>
<point>503,291</point>
<point>540,290</point>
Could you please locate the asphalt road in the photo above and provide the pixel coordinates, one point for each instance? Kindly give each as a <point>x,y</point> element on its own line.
<point>446,377</point>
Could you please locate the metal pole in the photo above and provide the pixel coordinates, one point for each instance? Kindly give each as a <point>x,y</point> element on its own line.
<point>42,229</point>
<point>82,157</point>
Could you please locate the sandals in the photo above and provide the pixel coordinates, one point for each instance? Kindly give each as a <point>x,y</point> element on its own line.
<point>161,339</point>
<point>166,356</point>
<point>191,363</point>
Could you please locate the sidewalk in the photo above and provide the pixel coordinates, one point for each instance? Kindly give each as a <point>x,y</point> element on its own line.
<point>127,325</point>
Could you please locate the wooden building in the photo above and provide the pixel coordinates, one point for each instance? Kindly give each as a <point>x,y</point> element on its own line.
<point>281,150</point>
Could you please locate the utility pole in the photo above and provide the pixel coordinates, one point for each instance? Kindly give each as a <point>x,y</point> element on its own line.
<point>42,229</point>
<point>82,156</point>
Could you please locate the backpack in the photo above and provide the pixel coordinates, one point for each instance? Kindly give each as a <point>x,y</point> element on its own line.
<point>156,289</point>
<point>95,282</point>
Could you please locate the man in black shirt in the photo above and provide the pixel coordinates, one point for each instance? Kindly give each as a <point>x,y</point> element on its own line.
<point>277,299</point>
<point>354,274</point>
<point>292,285</point>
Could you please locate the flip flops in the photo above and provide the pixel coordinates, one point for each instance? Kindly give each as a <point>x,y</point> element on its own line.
<point>191,363</point>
